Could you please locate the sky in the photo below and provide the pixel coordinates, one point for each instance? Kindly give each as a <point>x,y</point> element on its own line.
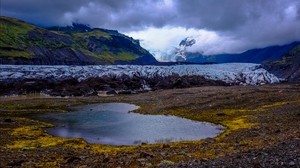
<point>218,26</point>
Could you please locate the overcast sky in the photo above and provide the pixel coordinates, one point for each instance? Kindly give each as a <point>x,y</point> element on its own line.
<point>219,26</point>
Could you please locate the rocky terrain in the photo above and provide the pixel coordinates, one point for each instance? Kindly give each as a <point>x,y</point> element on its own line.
<point>262,130</point>
<point>288,67</point>
<point>89,80</point>
<point>23,43</point>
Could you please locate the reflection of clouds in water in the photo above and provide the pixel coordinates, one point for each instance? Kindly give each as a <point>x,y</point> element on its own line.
<point>123,128</point>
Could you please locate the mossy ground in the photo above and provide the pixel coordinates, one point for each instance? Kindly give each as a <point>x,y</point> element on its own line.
<point>254,117</point>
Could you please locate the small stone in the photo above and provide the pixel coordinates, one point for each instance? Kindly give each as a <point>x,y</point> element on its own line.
<point>277,131</point>
<point>72,159</point>
<point>146,155</point>
<point>24,149</point>
<point>165,146</point>
<point>141,160</point>
<point>148,165</point>
<point>16,163</point>
<point>84,166</point>
<point>106,158</point>
<point>162,153</point>
<point>8,120</point>
<point>111,92</point>
<point>292,163</point>
<point>165,163</point>
<point>221,113</point>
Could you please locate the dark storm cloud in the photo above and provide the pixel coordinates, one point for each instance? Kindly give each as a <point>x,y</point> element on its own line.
<point>219,15</point>
<point>40,12</point>
<point>242,23</point>
<point>114,14</point>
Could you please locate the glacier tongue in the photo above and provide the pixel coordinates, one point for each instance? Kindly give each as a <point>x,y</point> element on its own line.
<point>232,73</point>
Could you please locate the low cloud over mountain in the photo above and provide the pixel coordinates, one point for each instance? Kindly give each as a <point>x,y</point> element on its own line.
<point>229,26</point>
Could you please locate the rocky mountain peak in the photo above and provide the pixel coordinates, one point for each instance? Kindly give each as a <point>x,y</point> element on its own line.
<point>180,51</point>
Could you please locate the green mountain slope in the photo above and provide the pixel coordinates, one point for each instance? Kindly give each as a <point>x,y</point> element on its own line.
<point>23,43</point>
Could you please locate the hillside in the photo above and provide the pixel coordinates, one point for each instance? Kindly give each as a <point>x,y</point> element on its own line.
<point>287,67</point>
<point>23,43</point>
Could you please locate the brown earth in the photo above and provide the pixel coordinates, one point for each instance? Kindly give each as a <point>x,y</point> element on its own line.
<point>263,130</point>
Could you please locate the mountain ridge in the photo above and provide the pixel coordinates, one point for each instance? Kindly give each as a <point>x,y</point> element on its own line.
<point>256,55</point>
<point>24,43</point>
<point>287,67</point>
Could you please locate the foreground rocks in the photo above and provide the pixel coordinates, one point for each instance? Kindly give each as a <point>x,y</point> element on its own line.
<point>262,130</point>
<point>283,154</point>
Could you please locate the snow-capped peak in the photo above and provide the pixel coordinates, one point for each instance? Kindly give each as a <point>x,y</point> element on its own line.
<point>180,51</point>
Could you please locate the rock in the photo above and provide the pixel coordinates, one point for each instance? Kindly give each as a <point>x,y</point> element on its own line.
<point>24,149</point>
<point>72,159</point>
<point>111,92</point>
<point>221,113</point>
<point>165,146</point>
<point>165,163</point>
<point>106,158</point>
<point>146,155</point>
<point>8,120</point>
<point>16,163</point>
<point>238,156</point>
<point>125,92</point>
<point>141,160</point>
<point>292,163</point>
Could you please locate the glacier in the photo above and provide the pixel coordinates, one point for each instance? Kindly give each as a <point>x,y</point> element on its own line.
<point>231,73</point>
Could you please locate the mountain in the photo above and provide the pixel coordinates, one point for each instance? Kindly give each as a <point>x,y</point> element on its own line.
<point>23,43</point>
<point>287,67</point>
<point>251,56</point>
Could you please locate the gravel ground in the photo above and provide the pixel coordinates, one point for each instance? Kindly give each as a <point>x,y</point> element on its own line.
<point>263,130</point>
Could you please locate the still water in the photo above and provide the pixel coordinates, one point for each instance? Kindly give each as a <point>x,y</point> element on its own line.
<point>114,124</point>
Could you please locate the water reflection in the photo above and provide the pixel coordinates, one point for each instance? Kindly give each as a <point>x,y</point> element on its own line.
<point>111,123</point>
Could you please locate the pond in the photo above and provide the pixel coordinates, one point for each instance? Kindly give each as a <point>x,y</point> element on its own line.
<point>115,124</point>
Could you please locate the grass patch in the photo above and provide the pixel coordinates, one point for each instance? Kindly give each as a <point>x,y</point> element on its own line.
<point>95,33</point>
<point>15,54</point>
<point>125,56</point>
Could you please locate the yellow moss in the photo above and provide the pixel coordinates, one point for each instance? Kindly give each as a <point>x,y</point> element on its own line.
<point>40,142</point>
<point>47,164</point>
<point>28,131</point>
<point>237,123</point>
<point>274,105</point>
<point>111,149</point>
<point>77,143</point>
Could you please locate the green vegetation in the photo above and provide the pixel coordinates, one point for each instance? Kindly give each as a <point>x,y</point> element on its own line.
<point>95,33</point>
<point>14,38</point>
<point>22,40</point>
<point>15,53</point>
<point>126,56</point>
